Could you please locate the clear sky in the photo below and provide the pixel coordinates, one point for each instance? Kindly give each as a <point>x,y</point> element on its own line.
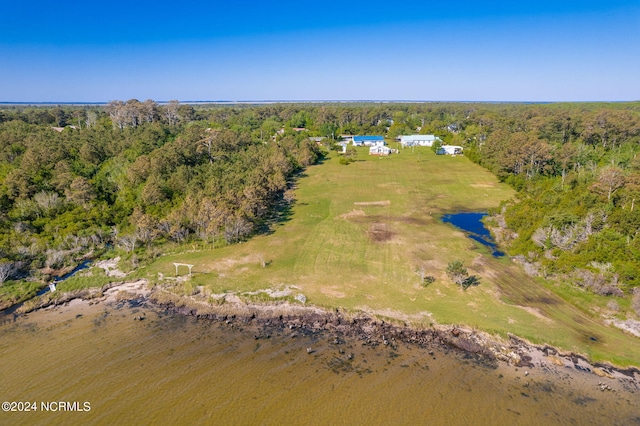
<point>545,50</point>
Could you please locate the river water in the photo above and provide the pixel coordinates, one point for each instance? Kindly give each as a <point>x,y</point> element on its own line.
<point>170,369</point>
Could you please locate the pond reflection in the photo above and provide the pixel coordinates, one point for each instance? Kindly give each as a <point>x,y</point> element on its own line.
<point>471,223</point>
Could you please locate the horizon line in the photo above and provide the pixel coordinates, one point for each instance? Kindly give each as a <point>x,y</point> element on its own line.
<point>316,101</point>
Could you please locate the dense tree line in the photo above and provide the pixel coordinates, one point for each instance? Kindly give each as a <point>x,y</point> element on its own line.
<point>137,173</point>
<point>577,171</point>
<point>130,175</point>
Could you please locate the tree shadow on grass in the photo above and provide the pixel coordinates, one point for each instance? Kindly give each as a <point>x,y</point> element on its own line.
<point>282,209</point>
<point>281,213</point>
<point>470,281</point>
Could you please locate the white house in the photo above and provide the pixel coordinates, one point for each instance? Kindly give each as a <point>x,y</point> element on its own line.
<point>368,140</point>
<point>379,150</point>
<point>418,140</point>
<point>450,150</point>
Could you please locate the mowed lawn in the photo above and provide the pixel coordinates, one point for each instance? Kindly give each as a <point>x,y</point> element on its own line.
<point>358,234</point>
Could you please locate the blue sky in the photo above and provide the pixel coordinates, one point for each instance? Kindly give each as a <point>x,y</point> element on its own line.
<point>331,50</point>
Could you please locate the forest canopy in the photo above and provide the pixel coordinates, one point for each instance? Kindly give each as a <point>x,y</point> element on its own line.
<point>134,175</point>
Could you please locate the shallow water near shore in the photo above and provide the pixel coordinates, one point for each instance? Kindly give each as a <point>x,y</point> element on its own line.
<point>173,369</point>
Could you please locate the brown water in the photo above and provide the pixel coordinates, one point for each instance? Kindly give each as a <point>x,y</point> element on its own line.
<point>177,370</point>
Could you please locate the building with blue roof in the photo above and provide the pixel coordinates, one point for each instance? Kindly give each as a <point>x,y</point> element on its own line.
<point>367,140</point>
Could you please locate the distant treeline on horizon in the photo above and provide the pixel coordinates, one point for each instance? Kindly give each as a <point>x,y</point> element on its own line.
<point>283,101</point>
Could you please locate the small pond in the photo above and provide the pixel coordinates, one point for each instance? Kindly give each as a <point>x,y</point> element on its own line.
<point>471,223</point>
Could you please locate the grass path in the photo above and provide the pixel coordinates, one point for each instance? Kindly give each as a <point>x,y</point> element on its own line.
<point>357,235</point>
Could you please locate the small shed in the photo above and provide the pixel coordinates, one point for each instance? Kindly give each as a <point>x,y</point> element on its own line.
<point>379,150</point>
<point>450,150</point>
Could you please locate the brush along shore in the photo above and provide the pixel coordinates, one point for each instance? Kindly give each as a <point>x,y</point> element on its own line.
<point>293,320</point>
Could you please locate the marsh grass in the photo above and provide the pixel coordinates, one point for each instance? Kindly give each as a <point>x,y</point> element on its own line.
<point>12,292</point>
<point>94,277</point>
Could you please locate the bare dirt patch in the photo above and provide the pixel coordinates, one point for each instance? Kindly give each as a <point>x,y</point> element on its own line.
<point>379,233</point>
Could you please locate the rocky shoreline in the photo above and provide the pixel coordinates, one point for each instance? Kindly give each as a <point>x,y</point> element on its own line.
<point>296,321</point>
<point>292,321</point>
<point>374,333</point>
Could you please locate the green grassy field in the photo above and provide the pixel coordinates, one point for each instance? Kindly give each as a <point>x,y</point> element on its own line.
<point>358,234</point>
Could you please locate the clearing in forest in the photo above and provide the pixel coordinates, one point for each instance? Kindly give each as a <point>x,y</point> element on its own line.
<point>358,234</point>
